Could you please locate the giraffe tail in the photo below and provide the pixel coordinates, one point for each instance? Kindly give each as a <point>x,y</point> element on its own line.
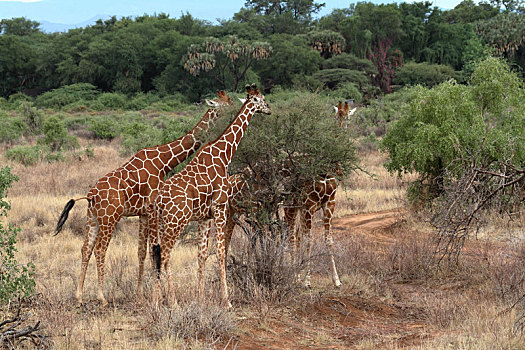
<point>65,214</point>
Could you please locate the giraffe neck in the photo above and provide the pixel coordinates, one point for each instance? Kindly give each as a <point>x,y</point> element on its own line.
<point>175,152</point>
<point>231,137</point>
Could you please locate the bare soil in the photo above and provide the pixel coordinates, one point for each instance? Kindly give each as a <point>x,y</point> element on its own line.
<point>342,319</point>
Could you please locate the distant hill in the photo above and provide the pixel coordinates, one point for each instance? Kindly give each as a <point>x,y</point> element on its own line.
<point>50,27</point>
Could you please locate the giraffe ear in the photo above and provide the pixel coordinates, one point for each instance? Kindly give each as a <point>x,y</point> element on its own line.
<point>335,108</point>
<point>211,103</point>
<point>352,111</point>
<point>243,100</point>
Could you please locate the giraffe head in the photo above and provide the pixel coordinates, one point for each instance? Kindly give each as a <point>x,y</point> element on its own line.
<point>254,96</point>
<point>223,100</point>
<point>343,112</point>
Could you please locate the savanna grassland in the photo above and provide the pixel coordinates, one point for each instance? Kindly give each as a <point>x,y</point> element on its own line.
<point>392,297</point>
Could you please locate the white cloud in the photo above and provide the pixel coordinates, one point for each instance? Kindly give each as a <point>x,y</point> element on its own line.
<point>21,0</point>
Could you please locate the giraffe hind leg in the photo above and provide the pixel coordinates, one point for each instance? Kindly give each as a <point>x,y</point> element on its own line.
<point>104,237</point>
<point>86,251</point>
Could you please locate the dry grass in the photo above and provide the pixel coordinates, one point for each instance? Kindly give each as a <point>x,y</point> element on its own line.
<point>375,191</point>
<point>381,269</point>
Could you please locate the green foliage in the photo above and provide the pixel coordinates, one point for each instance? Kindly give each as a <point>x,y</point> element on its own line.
<point>68,94</point>
<point>12,127</point>
<point>292,58</point>
<point>104,127</point>
<point>227,59</point>
<point>453,122</point>
<point>346,91</point>
<point>332,77</point>
<point>426,74</point>
<point>56,136</point>
<point>26,155</point>
<point>300,133</point>
<point>113,100</point>
<point>139,135</point>
<point>16,280</point>
<point>32,117</point>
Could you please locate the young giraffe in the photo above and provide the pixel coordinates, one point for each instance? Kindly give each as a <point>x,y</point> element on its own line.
<point>201,191</point>
<point>128,190</point>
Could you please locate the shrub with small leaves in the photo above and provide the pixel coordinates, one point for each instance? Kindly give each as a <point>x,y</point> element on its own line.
<point>16,280</point>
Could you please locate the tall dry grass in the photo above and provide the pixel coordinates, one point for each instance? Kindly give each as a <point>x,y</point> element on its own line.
<point>465,308</point>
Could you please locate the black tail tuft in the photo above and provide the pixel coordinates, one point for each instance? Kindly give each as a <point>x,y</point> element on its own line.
<point>64,215</point>
<point>156,258</point>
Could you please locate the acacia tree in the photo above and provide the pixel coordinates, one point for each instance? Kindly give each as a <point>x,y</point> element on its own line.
<point>226,59</point>
<point>469,140</point>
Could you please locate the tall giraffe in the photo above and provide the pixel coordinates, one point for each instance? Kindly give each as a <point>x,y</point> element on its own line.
<point>128,190</point>
<point>201,191</point>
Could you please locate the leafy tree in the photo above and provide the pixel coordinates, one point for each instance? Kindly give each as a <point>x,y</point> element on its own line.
<point>505,32</point>
<point>327,42</point>
<point>447,125</point>
<point>16,280</point>
<point>291,57</point>
<point>227,59</point>
<point>280,16</point>
<point>16,66</point>
<point>423,73</point>
<point>18,26</point>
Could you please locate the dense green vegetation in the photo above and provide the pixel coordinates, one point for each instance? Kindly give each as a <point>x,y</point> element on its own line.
<point>16,280</point>
<point>269,42</point>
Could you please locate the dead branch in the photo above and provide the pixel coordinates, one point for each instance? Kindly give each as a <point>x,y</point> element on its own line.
<point>11,336</point>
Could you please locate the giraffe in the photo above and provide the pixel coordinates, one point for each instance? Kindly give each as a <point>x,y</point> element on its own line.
<point>127,191</point>
<point>342,113</point>
<point>201,191</point>
<point>316,195</point>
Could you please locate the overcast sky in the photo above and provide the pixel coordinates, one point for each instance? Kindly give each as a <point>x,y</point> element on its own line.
<point>76,11</point>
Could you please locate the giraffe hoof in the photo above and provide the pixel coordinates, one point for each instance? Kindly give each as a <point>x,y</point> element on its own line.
<point>338,285</point>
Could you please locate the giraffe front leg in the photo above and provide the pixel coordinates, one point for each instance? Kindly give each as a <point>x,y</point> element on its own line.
<point>86,251</point>
<point>204,229</point>
<point>308,240</point>
<point>220,212</point>
<point>328,211</point>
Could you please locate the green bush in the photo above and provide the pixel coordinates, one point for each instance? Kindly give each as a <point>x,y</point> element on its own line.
<point>16,280</point>
<point>65,95</point>
<point>56,136</point>
<point>12,127</point>
<point>142,101</point>
<point>32,117</point>
<point>16,99</point>
<point>139,135</point>
<point>346,91</point>
<point>426,74</point>
<point>451,123</point>
<point>104,127</point>
<point>113,100</point>
<point>26,155</point>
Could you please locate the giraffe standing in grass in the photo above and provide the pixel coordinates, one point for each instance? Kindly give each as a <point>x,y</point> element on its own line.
<point>317,195</point>
<point>128,190</point>
<point>201,191</point>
